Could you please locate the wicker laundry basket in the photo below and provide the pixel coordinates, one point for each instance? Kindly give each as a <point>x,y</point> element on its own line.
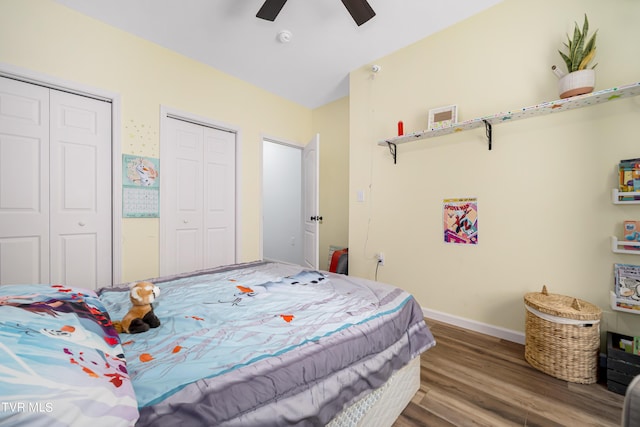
<point>562,336</point>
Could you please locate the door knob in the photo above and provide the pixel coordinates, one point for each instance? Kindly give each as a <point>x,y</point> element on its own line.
<point>81,223</point>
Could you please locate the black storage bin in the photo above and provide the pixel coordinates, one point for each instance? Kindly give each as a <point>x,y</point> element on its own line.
<point>622,367</point>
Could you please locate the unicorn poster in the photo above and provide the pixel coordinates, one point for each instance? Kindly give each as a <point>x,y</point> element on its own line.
<point>460,221</point>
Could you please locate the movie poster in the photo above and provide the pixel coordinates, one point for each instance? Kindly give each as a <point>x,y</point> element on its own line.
<point>460,218</point>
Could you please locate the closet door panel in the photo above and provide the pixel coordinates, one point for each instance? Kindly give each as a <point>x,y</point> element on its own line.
<point>24,183</point>
<point>198,203</point>
<point>220,194</point>
<point>77,260</point>
<point>182,196</point>
<point>80,190</point>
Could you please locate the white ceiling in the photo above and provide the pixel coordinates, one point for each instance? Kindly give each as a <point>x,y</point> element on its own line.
<point>313,68</point>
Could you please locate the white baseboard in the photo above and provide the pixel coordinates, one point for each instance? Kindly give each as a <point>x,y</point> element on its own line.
<point>483,328</point>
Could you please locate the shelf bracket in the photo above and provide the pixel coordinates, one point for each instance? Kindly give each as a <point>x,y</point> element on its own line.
<point>393,149</point>
<point>489,131</point>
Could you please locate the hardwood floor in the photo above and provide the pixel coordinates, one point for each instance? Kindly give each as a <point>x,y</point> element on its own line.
<point>470,379</point>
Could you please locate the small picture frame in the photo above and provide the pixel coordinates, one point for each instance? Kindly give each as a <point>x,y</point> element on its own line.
<point>443,117</point>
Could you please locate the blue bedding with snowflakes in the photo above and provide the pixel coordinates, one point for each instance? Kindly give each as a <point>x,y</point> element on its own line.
<point>61,361</point>
<point>235,339</point>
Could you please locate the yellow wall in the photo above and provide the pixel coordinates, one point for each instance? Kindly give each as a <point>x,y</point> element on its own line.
<point>544,191</point>
<point>332,122</point>
<point>42,36</point>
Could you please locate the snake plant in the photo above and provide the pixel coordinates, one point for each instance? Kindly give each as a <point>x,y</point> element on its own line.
<point>581,52</point>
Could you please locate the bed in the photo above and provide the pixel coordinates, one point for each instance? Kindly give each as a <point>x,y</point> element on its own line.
<point>254,344</point>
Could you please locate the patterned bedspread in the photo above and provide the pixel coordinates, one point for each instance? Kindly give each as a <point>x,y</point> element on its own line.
<point>61,362</point>
<point>225,334</point>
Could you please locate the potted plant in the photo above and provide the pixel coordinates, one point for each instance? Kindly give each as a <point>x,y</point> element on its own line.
<point>580,79</point>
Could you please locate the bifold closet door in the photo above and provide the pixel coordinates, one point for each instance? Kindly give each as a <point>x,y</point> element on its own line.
<point>198,197</point>
<point>80,185</point>
<point>24,183</point>
<point>55,187</point>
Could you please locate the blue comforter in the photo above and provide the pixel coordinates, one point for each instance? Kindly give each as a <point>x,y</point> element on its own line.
<point>219,328</point>
<point>61,362</point>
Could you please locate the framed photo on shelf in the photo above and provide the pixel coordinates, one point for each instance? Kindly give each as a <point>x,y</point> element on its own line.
<point>443,117</point>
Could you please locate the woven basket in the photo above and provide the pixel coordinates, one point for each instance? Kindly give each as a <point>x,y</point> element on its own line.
<point>562,336</point>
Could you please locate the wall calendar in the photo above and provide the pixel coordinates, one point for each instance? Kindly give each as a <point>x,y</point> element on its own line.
<point>140,187</point>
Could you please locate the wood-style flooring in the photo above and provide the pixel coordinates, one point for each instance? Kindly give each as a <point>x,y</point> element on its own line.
<point>471,379</point>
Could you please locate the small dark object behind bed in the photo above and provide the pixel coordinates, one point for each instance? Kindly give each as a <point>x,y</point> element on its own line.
<point>339,261</point>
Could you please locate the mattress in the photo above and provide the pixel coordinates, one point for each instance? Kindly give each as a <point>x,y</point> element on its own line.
<point>382,406</point>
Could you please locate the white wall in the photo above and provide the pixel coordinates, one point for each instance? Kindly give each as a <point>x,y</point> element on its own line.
<point>282,202</point>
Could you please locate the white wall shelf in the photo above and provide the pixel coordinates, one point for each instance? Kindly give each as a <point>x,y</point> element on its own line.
<point>541,109</point>
<point>618,246</point>
<point>616,307</point>
<point>616,194</point>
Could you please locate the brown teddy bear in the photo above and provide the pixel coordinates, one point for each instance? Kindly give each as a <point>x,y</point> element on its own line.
<point>140,317</point>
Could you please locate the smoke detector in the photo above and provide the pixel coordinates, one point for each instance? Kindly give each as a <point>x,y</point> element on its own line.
<point>284,36</point>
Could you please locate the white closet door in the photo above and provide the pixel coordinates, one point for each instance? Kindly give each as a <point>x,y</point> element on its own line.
<point>220,197</point>
<point>24,183</point>
<point>80,185</point>
<point>197,196</point>
<point>181,178</point>
<point>55,187</point>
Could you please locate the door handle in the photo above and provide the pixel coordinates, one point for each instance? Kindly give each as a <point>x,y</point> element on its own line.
<point>316,218</point>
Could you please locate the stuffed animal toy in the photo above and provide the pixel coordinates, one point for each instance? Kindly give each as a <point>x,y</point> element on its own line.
<point>140,317</point>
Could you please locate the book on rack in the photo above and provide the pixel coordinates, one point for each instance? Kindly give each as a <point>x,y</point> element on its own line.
<point>631,233</point>
<point>627,285</point>
<point>631,161</point>
<point>629,178</point>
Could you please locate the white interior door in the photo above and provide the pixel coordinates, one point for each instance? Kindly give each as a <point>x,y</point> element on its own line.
<point>55,187</point>
<point>24,183</point>
<point>311,204</point>
<point>198,197</point>
<point>282,218</point>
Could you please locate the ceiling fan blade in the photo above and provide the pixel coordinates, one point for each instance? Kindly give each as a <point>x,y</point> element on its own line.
<point>270,9</point>
<point>360,10</point>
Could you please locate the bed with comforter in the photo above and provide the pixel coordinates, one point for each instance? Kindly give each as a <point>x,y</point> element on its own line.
<point>253,344</point>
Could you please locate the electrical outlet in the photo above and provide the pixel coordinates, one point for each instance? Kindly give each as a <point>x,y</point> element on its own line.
<point>381,258</point>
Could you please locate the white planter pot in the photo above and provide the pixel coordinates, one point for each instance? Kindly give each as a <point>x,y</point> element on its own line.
<point>577,83</point>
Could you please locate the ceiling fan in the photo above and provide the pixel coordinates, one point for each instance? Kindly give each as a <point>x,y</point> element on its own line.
<point>360,10</point>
